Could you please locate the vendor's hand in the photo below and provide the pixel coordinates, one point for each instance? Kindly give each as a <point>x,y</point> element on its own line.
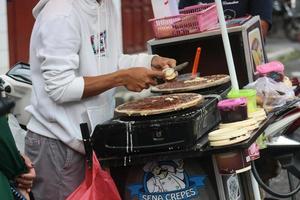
<point>25,181</point>
<point>159,63</point>
<point>138,78</point>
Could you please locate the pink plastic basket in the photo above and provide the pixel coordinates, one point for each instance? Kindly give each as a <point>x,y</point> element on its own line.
<point>193,19</point>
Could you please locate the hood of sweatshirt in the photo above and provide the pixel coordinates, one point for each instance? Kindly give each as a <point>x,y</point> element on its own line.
<point>39,7</point>
<point>89,6</point>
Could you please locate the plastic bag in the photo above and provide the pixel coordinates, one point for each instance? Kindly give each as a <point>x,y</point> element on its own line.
<point>98,185</point>
<point>273,94</point>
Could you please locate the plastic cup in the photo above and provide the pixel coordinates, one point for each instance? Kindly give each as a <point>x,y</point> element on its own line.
<point>249,94</point>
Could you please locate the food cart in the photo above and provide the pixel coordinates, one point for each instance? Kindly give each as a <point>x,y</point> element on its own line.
<point>168,156</point>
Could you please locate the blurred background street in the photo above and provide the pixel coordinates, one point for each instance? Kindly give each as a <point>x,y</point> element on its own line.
<point>279,47</point>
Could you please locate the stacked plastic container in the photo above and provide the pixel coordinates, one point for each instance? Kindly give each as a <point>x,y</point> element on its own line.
<point>193,19</point>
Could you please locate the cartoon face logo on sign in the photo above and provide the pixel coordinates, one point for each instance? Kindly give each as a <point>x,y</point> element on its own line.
<point>166,180</point>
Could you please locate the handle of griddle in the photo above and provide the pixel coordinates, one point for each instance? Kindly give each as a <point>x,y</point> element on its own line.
<point>87,144</point>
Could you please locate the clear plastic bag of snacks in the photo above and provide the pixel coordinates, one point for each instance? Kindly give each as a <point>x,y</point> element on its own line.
<point>271,94</point>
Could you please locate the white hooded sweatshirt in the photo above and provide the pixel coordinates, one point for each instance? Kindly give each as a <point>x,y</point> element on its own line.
<point>72,39</point>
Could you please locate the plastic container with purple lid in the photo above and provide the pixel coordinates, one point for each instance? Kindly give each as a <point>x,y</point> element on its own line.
<point>233,110</point>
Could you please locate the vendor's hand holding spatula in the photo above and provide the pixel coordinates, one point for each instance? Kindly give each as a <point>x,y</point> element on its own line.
<point>138,78</point>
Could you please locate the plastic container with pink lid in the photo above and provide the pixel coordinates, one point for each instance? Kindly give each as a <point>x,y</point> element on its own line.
<point>233,110</point>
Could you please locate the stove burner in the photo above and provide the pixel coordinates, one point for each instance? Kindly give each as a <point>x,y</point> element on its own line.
<point>164,132</point>
<point>178,130</point>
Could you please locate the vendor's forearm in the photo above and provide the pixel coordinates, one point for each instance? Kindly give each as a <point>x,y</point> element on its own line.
<point>98,84</point>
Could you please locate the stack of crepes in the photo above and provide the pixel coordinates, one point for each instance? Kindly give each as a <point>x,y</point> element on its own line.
<point>237,124</point>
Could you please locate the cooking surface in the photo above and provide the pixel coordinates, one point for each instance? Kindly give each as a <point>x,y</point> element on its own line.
<point>162,117</point>
<point>160,104</point>
<point>186,83</point>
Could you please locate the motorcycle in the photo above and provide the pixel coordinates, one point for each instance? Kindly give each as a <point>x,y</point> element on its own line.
<point>6,104</point>
<point>17,87</point>
<point>287,11</point>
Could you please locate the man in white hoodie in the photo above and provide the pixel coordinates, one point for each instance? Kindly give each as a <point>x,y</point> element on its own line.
<point>76,62</point>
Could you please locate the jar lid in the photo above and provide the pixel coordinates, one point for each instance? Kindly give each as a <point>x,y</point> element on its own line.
<point>232,103</point>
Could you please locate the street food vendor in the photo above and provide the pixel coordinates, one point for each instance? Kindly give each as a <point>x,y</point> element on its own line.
<point>240,8</point>
<point>76,62</point>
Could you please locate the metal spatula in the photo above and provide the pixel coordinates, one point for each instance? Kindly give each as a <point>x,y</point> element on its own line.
<point>181,66</point>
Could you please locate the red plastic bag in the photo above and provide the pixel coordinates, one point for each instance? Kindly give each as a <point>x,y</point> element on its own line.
<point>98,185</point>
